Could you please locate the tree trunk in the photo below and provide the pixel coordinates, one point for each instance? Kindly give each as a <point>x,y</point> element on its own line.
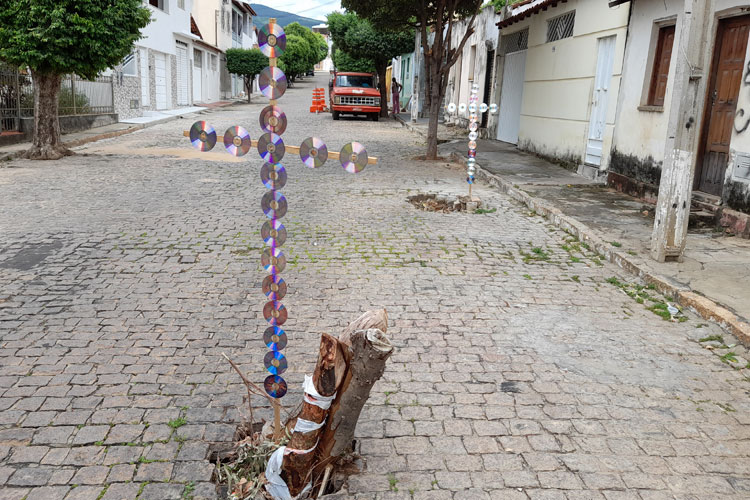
<point>249,85</point>
<point>359,379</point>
<point>46,144</point>
<point>381,69</point>
<point>329,372</point>
<point>434,90</point>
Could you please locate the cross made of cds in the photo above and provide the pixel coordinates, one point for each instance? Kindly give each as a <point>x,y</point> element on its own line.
<point>471,162</point>
<point>313,153</point>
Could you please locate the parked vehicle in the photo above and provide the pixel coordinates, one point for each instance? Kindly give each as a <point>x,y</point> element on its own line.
<point>354,94</point>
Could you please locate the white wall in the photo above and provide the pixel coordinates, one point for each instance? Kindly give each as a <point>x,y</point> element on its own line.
<point>159,33</point>
<point>559,79</point>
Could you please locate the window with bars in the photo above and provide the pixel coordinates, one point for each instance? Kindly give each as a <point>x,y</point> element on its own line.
<point>181,4</point>
<point>514,42</point>
<point>561,27</point>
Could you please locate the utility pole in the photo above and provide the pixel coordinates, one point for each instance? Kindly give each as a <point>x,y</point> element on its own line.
<point>675,186</point>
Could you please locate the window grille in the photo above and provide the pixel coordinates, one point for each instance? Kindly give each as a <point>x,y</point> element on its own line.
<point>129,65</point>
<point>561,26</point>
<point>214,62</point>
<point>514,42</point>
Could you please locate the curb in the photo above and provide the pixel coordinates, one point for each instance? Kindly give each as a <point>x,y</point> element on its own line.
<point>408,125</point>
<point>110,135</point>
<point>681,294</point>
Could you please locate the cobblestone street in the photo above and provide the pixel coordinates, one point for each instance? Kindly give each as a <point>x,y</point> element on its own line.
<point>522,370</point>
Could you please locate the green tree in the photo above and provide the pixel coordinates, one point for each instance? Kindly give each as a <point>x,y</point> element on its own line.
<point>361,40</point>
<point>344,62</point>
<point>322,46</point>
<point>247,63</point>
<point>56,37</point>
<point>435,21</point>
<point>296,57</point>
<point>313,54</point>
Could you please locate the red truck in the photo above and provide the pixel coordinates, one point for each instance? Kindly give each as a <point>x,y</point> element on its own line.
<point>354,94</point>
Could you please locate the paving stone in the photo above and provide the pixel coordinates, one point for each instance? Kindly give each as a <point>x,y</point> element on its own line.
<point>91,475</point>
<point>50,492</point>
<point>84,493</point>
<point>121,491</point>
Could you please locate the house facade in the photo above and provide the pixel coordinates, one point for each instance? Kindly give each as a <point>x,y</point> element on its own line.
<point>402,69</point>
<point>558,70</point>
<point>326,65</point>
<point>164,71</point>
<point>226,24</point>
<point>718,94</point>
<point>476,64</point>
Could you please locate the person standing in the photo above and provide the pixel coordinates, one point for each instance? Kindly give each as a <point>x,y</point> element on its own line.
<point>396,91</point>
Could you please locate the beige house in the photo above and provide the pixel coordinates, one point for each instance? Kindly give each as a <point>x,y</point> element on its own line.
<point>702,109</point>
<point>559,64</point>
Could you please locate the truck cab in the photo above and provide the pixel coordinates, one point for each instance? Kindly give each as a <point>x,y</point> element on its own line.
<point>354,94</point>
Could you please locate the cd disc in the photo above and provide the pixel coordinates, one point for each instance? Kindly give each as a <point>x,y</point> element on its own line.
<point>275,362</point>
<point>237,141</point>
<point>275,313</point>
<point>272,40</point>
<point>272,82</point>
<point>272,119</point>
<point>353,157</point>
<point>274,338</point>
<point>274,287</point>
<point>273,260</point>
<point>273,175</point>
<point>271,147</point>
<point>275,386</point>
<point>273,233</point>
<point>203,136</point>
<point>313,152</point>
<point>274,205</point>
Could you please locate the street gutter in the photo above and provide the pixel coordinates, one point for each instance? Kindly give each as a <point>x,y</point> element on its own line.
<point>679,293</point>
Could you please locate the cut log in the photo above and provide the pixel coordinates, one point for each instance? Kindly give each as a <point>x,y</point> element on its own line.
<point>370,319</point>
<point>329,372</point>
<point>367,353</point>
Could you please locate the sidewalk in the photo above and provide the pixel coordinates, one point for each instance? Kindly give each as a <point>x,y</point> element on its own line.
<point>116,129</point>
<point>713,277</point>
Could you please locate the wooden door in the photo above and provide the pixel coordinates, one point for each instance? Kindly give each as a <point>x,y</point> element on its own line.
<point>723,90</point>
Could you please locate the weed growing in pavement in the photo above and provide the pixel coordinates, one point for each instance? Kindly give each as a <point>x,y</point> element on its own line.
<point>392,481</point>
<point>641,295</point>
<point>711,338</point>
<point>177,423</point>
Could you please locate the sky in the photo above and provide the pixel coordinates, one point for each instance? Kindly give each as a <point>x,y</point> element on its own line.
<point>317,9</point>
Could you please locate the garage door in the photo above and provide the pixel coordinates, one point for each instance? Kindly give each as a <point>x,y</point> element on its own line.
<point>182,76</point>
<point>160,74</point>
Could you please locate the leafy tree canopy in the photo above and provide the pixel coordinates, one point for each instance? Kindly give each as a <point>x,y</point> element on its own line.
<point>246,62</point>
<point>344,62</point>
<point>361,40</point>
<point>70,36</point>
<point>395,14</point>
<point>322,46</point>
<point>312,55</point>
<point>296,57</point>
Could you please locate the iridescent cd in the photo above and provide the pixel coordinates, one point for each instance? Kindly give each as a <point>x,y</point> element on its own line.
<point>313,152</point>
<point>483,108</point>
<point>237,141</point>
<point>472,144</point>
<point>272,82</point>
<point>473,126</point>
<point>473,136</point>
<point>273,233</point>
<point>273,175</point>
<point>203,136</point>
<point>273,260</point>
<point>462,107</point>
<point>472,153</point>
<point>353,157</point>
<point>274,338</point>
<point>272,40</point>
<point>470,179</point>
<point>493,108</point>
<point>275,313</point>
<point>473,107</point>
<point>275,362</point>
<point>272,119</point>
<point>275,386</point>
<point>271,147</point>
<point>273,204</point>
<point>452,108</point>
<point>274,287</point>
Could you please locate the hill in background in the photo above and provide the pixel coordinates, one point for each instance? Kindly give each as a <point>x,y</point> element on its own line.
<point>283,18</point>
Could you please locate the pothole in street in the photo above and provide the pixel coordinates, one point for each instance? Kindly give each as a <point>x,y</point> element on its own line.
<point>430,202</point>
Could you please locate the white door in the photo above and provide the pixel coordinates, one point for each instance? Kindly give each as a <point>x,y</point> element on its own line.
<point>511,95</point>
<point>160,80</point>
<point>197,76</point>
<point>183,98</point>
<point>145,80</point>
<point>598,121</point>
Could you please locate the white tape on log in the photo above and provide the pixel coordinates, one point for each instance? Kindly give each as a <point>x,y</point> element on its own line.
<point>312,396</point>
<point>305,426</point>
<point>276,486</point>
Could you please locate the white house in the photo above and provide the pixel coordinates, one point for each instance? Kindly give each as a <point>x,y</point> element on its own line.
<point>716,136</point>
<point>326,64</point>
<point>226,24</point>
<point>165,70</point>
<point>559,64</point>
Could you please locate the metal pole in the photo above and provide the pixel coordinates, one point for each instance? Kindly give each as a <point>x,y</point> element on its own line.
<point>18,100</point>
<point>73,91</point>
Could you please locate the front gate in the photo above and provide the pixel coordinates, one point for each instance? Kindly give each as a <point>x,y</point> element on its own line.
<point>16,98</point>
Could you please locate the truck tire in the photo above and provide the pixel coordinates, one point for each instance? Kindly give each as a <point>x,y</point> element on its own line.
<point>335,115</point>
<point>375,116</point>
